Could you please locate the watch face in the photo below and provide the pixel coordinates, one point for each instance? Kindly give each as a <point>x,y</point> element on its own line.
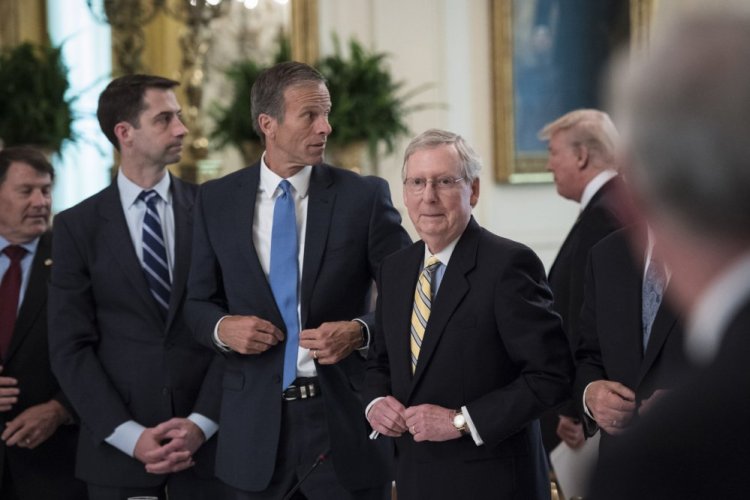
<point>459,421</point>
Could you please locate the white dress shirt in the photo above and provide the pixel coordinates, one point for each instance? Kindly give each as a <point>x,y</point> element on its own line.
<point>126,435</point>
<point>715,309</point>
<point>595,185</point>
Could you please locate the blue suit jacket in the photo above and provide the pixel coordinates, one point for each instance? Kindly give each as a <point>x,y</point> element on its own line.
<point>351,227</point>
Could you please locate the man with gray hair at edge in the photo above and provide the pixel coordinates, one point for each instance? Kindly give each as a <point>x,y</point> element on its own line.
<point>685,114</point>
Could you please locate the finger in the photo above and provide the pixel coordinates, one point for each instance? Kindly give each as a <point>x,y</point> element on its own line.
<point>9,391</point>
<point>265,338</point>
<point>8,381</point>
<point>269,328</point>
<point>621,390</point>
<point>11,428</point>
<point>309,334</point>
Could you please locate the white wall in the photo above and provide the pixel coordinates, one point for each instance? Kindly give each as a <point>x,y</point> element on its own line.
<point>446,43</point>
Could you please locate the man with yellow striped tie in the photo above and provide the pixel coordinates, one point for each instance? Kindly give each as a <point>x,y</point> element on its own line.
<point>469,352</point>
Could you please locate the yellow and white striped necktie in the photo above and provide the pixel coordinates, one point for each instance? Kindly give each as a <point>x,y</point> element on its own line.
<point>421,311</point>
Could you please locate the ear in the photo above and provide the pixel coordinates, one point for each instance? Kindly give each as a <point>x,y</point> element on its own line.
<point>124,133</point>
<point>474,193</point>
<point>582,156</point>
<point>267,125</point>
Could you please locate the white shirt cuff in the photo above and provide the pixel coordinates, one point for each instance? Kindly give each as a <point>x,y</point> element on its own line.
<point>126,436</point>
<point>208,426</point>
<point>586,408</point>
<point>221,345</point>
<point>472,428</point>
<point>366,346</point>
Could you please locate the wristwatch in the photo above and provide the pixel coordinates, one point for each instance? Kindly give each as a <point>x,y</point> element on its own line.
<point>459,422</point>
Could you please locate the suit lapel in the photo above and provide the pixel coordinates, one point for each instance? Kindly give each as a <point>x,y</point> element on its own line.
<point>322,197</point>
<point>183,227</point>
<point>453,288</point>
<point>116,236</point>
<point>664,323</point>
<point>35,297</point>
<point>244,197</point>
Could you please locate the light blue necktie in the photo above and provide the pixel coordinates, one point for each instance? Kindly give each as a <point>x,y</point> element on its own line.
<point>284,275</point>
<point>653,290</point>
<point>155,266</point>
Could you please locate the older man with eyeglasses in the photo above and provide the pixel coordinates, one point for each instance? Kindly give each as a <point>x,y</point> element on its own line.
<point>469,352</point>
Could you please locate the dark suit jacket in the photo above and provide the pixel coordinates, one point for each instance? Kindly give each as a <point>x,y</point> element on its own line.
<point>351,227</point>
<point>696,443</point>
<point>493,344</point>
<point>611,345</point>
<point>45,472</point>
<point>115,357</point>
<point>603,215</point>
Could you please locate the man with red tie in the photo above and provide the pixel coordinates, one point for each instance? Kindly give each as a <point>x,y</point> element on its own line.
<point>37,451</point>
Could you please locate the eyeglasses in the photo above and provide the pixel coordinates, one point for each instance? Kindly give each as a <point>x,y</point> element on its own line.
<point>416,185</point>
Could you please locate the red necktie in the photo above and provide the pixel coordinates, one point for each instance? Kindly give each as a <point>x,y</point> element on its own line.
<point>10,288</point>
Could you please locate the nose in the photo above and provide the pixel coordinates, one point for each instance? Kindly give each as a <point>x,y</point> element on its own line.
<point>430,192</point>
<point>323,127</point>
<point>40,198</point>
<point>178,128</point>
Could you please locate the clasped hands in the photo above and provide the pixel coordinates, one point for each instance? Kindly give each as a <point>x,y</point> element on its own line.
<point>425,422</point>
<point>170,446</point>
<point>613,405</point>
<point>329,343</point>
<point>35,424</point>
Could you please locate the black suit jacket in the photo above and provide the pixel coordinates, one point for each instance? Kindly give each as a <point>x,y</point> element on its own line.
<point>351,227</point>
<point>696,443</point>
<point>114,355</point>
<point>611,345</point>
<point>493,344</point>
<point>45,472</point>
<point>603,215</point>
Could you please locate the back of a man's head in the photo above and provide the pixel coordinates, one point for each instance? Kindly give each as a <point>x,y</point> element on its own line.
<point>589,128</point>
<point>685,112</point>
<point>122,101</point>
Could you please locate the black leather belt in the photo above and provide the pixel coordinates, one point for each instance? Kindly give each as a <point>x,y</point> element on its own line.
<point>302,388</point>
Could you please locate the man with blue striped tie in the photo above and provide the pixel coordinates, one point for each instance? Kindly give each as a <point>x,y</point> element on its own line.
<point>146,393</point>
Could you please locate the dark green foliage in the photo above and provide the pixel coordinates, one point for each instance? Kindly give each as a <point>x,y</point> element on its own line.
<point>33,106</point>
<point>234,124</point>
<point>366,105</point>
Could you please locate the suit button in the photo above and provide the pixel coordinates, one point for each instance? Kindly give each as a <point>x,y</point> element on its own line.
<point>277,378</point>
<point>165,390</point>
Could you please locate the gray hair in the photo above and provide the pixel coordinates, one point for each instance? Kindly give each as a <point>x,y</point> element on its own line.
<point>470,163</point>
<point>267,93</point>
<point>686,110</point>
<point>590,128</point>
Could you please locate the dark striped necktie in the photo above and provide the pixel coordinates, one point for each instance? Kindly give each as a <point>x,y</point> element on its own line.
<point>155,264</point>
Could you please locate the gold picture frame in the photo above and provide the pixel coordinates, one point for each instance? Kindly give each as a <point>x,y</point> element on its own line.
<point>527,164</point>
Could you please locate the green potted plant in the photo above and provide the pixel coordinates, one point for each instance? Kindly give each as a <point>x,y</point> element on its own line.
<point>34,109</point>
<point>368,107</point>
<point>233,123</point>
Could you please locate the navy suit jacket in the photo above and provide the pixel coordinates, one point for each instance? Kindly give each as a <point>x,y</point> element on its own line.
<point>45,472</point>
<point>611,340</point>
<point>114,355</point>
<point>493,344</point>
<point>351,227</point>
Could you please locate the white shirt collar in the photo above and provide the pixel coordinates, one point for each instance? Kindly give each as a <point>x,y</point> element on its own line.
<point>595,185</point>
<point>129,190</point>
<point>30,246</point>
<point>269,180</point>
<point>716,308</point>
<point>443,255</point>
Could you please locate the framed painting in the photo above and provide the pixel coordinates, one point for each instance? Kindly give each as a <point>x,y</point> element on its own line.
<point>548,58</point>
